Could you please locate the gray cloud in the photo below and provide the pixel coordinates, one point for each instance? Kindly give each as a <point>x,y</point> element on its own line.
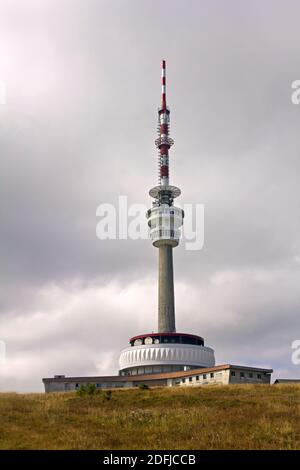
<point>82,80</point>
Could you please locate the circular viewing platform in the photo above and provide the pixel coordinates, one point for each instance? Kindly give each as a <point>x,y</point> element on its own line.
<point>155,353</point>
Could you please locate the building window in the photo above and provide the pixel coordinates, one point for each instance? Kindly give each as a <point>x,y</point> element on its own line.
<point>197,377</point>
<point>183,381</point>
<point>242,375</point>
<point>98,385</point>
<point>259,376</point>
<point>76,385</point>
<point>250,375</point>
<point>204,376</point>
<point>232,372</point>
<point>212,375</point>
<point>190,379</point>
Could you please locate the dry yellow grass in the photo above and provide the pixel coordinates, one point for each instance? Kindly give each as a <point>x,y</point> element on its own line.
<point>229,417</point>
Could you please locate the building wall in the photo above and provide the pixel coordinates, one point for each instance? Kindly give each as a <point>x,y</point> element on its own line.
<point>54,386</point>
<point>210,377</point>
<point>244,376</point>
<point>151,383</point>
<point>224,377</point>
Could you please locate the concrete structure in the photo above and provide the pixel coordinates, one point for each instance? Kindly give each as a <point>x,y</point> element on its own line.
<point>164,219</point>
<point>219,375</point>
<point>166,350</point>
<point>165,358</point>
<point>166,307</point>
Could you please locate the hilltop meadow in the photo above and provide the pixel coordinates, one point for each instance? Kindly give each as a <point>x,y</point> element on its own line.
<point>212,417</point>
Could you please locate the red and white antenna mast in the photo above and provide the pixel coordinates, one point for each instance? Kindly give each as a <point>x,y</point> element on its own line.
<point>163,142</point>
<point>163,193</point>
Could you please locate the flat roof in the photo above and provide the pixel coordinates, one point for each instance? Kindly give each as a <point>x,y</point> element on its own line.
<point>160,376</point>
<point>165,334</point>
<point>287,381</point>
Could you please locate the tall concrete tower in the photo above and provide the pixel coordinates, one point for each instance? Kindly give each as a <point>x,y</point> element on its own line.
<point>164,219</point>
<point>165,350</point>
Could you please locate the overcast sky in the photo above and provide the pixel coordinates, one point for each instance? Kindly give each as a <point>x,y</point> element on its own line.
<point>77,129</point>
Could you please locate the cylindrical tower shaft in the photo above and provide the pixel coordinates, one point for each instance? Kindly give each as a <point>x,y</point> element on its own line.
<point>166,307</point>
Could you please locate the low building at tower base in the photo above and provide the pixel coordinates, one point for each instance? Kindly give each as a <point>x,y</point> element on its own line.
<point>224,374</point>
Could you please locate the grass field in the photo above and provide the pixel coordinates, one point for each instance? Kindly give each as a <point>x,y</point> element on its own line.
<point>229,417</point>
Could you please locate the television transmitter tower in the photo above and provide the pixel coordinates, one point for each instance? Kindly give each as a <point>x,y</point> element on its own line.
<point>166,350</point>
<point>164,219</point>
